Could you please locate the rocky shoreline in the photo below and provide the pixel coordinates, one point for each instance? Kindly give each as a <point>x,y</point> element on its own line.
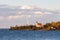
<point>47,26</point>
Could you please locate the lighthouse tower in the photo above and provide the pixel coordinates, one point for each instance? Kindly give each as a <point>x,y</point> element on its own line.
<point>27,23</point>
<point>28,17</point>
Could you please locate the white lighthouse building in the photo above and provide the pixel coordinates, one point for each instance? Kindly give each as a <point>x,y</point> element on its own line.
<point>37,24</point>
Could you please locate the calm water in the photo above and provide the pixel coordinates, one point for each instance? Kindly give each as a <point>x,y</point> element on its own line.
<point>5,34</point>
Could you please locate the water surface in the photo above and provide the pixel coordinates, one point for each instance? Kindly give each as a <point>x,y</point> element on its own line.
<point>6,34</point>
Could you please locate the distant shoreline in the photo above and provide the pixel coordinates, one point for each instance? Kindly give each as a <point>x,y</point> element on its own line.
<point>47,26</point>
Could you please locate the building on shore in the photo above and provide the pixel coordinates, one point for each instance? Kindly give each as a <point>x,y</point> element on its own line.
<point>37,24</point>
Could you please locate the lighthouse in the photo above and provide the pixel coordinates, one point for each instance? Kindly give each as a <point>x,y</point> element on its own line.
<point>37,24</point>
<point>27,23</point>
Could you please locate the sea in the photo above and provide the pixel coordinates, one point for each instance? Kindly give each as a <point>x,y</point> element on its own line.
<point>6,34</point>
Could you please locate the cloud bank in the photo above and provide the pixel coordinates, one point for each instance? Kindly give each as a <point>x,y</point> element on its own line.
<point>12,15</point>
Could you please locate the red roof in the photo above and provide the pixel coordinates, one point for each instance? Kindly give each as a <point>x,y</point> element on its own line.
<point>39,23</point>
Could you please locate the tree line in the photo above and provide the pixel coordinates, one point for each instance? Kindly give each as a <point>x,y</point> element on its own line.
<point>47,26</point>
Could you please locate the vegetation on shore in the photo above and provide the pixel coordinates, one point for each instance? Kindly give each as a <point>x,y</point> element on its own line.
<point>47,26</point>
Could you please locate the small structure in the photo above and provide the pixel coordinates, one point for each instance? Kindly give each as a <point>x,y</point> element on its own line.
<point>53,28</point>
<point>38,24</point>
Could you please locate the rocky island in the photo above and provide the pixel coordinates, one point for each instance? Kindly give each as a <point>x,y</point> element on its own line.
<point>38,26</point>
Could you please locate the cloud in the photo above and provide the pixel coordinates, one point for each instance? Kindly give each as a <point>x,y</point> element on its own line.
<point>47,13</point>
<point>26,7</point>
<point>42,13</point>
<point>1,18</point>
<point>29,16</point>
<point>15,17</point>
<point>18,17</point>
<point>38,13</point>
<point>24,10</point>
<point>19,12</point>
<point>58,14</point>
<point>3,6</point>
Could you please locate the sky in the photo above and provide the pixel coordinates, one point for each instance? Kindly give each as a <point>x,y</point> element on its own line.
<point>50,4</point>
<point>21,12</point>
